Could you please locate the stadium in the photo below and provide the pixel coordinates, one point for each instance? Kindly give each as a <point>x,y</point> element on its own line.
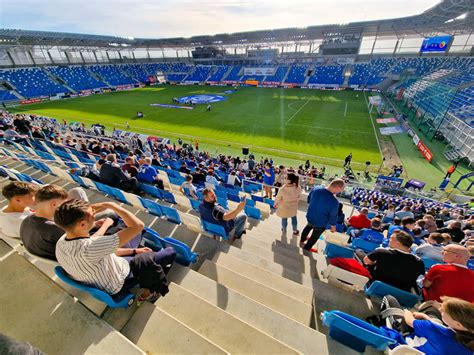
<point>148,183</point>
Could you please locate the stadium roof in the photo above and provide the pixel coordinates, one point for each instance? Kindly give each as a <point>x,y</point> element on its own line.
<point>448,16</point>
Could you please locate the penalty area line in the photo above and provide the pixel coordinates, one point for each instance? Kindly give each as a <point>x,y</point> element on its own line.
<point>297,112</point>
<point>345,110</point>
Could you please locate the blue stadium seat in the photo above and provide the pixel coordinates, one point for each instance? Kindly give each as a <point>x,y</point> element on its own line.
<point>152,207</point>
<point>366,246</point>
<point>151,190</point>
<point>215,229</point>
<point>195,204</point>
<point>380,289</point>
<point>337,251</point>
<point>171,214</point>
<point>429,263</point>
<point>100,295</point>
<point>354,332</point>
<point>253,212</point>
<point>184,255</point>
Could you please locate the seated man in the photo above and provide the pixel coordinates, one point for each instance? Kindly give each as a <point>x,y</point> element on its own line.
<point>405,212</point>
<point>233,221</point>
<point>407,226</point>
<point>130,167</point>
<point>188,189</point>
<point>211,179</point>
<point>112,175</point>
<point>360,221</point>
<point>433,249</point>
<point>20,197</point>
<point>93,260</point>
<point>455,230</point>
<point>149,175</point>
<point>375,229</point>
<point>396,266</point>
<point>38,232</point>
<point>453,279</point>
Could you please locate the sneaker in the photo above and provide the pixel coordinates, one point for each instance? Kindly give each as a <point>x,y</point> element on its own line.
<point>302,244</point>
<point>151,298</point>
<point>296,232</point>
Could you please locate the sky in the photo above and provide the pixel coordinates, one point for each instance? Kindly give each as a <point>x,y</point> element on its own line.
<point>185,18</point>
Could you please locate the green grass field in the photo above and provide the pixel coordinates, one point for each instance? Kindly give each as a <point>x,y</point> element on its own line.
<point>282,122</point>
<point>290,125</point>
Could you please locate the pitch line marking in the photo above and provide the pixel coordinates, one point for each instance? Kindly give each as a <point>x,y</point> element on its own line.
<point>297,112</point>
<point>331,129</point>
<point>345,110</point>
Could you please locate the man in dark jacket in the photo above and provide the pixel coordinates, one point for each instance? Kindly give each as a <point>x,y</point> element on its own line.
<point>112,175</point>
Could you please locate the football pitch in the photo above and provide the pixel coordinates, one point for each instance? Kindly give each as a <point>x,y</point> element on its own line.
<point>293,123</point>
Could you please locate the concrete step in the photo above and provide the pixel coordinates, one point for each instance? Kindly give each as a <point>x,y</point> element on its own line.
<point>272,298</point>
<point>216,325</point>
<point>297,263</point>
<point>275,324</point>
<point>36,310</point>
<point>157,332</point>
<point>285,286</point>
<point>273,266</point>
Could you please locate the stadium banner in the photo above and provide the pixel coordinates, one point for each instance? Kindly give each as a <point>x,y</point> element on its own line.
<point>388,182</point>
<point>260,71</point>
<point>386,120</point>
<point>400,93</point>
<point>251,82</point>
<point>33,101</point>
<point>425,151</point>
<point>386,131</point>
<point>436,44</point>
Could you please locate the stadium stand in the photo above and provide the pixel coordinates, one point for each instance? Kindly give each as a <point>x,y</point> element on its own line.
<point>136,71</point>
<point>199,74</point>
<point>7,95</point>
<point>330,74</point>
<point>77,77</point>
<point>31,82</point>
<point>297,74</point>
<point>112,74</point>
<point>279,74</point>
<point>234,74</point>
<point>219,73</point>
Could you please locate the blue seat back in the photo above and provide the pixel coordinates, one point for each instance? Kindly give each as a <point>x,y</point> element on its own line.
<point>152,207</point>
<point>253,212</point>
<point>223,202</point>
<point>429,263</point>
<point>171,214</point>
<point>235,198</point>
<point>151,190</point>
<point>372,236</point>
<point>184,255</point>
<point>354,332</point>
<point>366,246</point>
<point>337,251</point>
<point>470,264</point>
<point>168,196</point>
<point>194,204</point>
<point>380,289</point>
<point>257,198</point>
<point>214,229</point>
<point>102,296</point>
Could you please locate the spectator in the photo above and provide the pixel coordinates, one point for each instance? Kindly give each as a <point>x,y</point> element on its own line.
<point>149,174</point>
<point>453,279</point>
<point>38,232</point>
<point>407,225</point>
<point>184,169</point>
<point>233,179</point>
<point>286,202</point>
<point>129,167</point>
<point>360,221</point>
<point>390,212</point>
<point>268,180</point>
<point>188,189</point>
<point>322,211</point>
<point>433,249</point>
<point>375,226</point>
<point>22,125</point>
<point>455,231</point>
<point>93,260</point>
<point>21,198</point>
<point>112,175</point>
<point>198,177</point>
<point>396,266</point>
<point>405,212</point>
<point>431,338</point>
<point>211,179</point>
<point>430,223</point>
<point>233,221</point>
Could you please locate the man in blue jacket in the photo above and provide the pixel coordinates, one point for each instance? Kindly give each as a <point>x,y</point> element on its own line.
<point>322,212</point>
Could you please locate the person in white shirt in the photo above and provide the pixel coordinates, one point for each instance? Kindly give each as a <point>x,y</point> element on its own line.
<point>21,198</point>
<point>233,179</point>
<point>93,260</point>
<point>188,189</point>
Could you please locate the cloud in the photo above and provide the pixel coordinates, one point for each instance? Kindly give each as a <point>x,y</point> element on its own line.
<point>184,18</point>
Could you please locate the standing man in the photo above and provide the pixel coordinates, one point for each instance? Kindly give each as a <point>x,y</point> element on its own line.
<point>323,207</point>
<point>451,170</point>
<point>347,161</point>
<point>208,108</point>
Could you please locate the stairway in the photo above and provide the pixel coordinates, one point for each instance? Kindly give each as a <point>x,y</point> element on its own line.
<point>286,74</point>
<point>259,295</point>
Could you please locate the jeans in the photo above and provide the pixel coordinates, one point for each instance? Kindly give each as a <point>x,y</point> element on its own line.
<point>239,225</point>
<point>317,231</point>
<point>294,223</point>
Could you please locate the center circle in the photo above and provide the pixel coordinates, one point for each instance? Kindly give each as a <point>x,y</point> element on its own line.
<point>201,99</point>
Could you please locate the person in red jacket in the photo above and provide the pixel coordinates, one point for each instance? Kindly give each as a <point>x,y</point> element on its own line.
<point>361,220</point>
<point>452,279</point>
